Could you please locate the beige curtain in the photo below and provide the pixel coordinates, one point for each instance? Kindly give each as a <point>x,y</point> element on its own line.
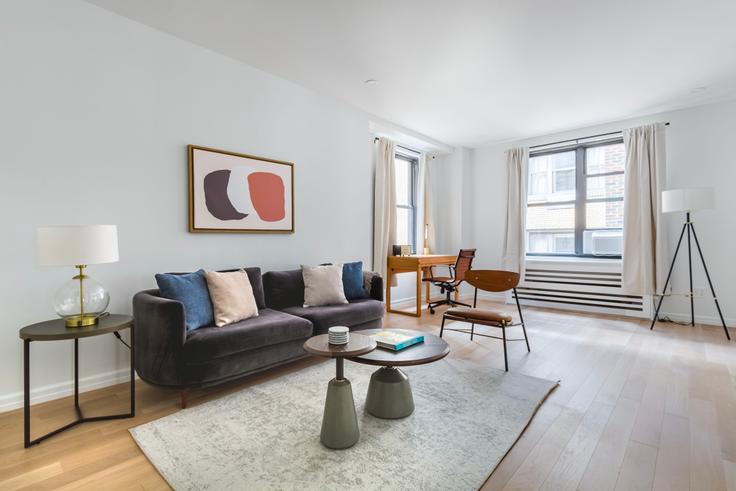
<point>514,249</point>
<point>643,253</point>
<point>384,205</point>
<point>425,217</point>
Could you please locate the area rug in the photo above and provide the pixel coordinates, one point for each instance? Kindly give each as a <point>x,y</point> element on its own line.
<point>266,436</point>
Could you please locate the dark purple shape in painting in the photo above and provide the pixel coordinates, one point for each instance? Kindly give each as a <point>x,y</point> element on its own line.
<point>215,196</point>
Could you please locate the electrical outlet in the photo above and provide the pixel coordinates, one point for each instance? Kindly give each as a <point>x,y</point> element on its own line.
<point>699,292</point>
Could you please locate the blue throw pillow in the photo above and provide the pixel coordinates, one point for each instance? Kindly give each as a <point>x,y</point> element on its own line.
<point>191,290</point>
<point>352,280</point>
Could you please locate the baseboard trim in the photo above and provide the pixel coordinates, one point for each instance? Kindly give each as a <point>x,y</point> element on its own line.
<point>412,299</point>
<point>50,392</point>
<point>708,320</point>
<point>498,297</point>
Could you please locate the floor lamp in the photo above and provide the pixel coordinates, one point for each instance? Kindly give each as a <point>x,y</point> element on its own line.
<point>686,201</point>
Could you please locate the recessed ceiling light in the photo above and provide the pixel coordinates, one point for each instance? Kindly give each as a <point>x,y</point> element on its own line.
<point>699,90</point>
<point>371,81</point>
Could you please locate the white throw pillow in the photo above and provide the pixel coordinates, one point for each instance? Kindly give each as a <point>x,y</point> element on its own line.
<point>323,285</point>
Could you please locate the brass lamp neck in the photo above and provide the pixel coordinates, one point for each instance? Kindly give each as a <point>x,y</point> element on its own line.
<point>82,319</point>
<point>81,275</point>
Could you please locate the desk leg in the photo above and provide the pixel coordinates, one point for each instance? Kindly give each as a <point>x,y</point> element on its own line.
<point>419,291</point>
<point>132,370</point>
<point>427,285</point>
<point>389,273</point>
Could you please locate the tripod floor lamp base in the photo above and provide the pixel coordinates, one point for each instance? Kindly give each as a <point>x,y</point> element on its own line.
<point>689,228</point>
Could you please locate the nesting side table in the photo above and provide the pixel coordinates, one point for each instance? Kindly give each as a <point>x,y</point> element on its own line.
<point>339,421</point>
<point>56,330</point>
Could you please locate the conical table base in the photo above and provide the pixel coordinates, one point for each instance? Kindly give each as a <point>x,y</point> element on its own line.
<point>339,421</point>
<point>389,394</point>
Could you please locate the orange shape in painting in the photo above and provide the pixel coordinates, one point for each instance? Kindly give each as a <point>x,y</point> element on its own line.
<point>267,195</point>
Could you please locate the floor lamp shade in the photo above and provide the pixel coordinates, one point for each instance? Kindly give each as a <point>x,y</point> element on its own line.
<point>81,300</point>
<point>687,200</point>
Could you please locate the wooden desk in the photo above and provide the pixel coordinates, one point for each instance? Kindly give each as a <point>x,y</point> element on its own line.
<point>419,264</point>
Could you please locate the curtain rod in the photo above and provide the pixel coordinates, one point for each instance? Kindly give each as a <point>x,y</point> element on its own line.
<point>400,146</point>
<point>581,138</point>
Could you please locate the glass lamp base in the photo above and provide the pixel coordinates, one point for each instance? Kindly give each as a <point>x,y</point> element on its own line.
<point>81,320</point>
<point>81,301</point>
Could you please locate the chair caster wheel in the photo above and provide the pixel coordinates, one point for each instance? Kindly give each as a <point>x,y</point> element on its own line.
<point>431,311</point>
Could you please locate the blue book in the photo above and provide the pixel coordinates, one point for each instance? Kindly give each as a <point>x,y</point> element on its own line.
<point>395,340</point>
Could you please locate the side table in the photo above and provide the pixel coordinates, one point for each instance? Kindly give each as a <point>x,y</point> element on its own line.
<point>339,421</point>
<point>56,330</point>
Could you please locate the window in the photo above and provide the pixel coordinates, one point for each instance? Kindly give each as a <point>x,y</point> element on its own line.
<point>576,201</point>
<point>406,212</point>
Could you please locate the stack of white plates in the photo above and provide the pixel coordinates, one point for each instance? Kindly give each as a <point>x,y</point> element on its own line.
<point>338,335</point>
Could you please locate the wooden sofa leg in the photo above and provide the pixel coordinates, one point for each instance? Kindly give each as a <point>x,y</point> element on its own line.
<point>184,395</point>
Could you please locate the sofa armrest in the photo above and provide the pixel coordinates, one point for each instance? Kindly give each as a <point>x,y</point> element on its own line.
<point>160,332</point>
<point>373,284</point>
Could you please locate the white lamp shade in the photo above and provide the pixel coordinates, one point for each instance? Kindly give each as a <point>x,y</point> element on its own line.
<point>75,245</point>
<point>687,200</point>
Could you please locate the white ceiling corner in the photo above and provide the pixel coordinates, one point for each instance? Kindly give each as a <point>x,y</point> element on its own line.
<point>468,72</point>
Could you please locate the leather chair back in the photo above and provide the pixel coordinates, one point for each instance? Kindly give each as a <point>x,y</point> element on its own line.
<point>463,263</point>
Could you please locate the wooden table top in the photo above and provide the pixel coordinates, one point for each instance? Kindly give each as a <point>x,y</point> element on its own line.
<point>56,329</point>
<point>432,349</point>
<point>357,345</point>
<point>398,262</point>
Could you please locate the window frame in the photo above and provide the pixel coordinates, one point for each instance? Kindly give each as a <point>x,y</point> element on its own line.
<point>413,161</point>
<point>581,197</point>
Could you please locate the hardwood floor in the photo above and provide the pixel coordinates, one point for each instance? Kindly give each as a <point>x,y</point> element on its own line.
<point>635,409</point>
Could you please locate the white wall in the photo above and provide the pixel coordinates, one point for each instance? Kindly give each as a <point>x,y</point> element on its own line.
<point>699,153</point>
<point>96,113</point>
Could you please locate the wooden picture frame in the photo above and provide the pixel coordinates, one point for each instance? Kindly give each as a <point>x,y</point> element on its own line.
<point>239,193</point>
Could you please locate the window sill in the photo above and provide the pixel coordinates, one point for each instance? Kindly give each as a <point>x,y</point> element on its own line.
<point>571,260</point>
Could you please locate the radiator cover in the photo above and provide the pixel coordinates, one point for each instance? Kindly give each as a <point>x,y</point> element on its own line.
<point>584,286</point>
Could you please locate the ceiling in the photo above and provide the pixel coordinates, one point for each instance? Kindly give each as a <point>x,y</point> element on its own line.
<point>472,72</point>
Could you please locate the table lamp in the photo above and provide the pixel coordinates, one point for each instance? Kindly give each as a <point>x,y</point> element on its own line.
<point>686,201</point>
<point>82,300</point>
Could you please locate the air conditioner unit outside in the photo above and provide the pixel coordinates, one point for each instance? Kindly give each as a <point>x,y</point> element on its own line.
<point>606,243</point>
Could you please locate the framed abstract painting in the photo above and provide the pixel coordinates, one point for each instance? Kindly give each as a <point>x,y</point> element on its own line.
<point>233,192</point>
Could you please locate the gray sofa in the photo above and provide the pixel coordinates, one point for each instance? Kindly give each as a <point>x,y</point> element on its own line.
<point>168,355</point>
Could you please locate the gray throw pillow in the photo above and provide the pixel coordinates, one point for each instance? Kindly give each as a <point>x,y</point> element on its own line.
<point>323,285</point>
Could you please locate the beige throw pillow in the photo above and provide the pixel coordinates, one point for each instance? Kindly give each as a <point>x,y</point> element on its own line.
<point>232,296</point>
<point>323,285</point>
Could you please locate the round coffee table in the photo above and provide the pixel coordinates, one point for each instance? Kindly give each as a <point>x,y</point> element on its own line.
<point>339,421</point>
<point>389,393</point>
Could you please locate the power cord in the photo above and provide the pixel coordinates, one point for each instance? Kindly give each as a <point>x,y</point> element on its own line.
<point>668,319</point>
<point>117,335</point>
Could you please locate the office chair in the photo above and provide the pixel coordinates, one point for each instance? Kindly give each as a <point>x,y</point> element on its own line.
<point>449,284</point>
<point>490,281</point>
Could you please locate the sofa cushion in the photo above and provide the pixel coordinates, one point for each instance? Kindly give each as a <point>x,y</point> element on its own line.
<point>283,289</point>
<point>191,290</point>
<point>269,328</point>
<point>350,314</point>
